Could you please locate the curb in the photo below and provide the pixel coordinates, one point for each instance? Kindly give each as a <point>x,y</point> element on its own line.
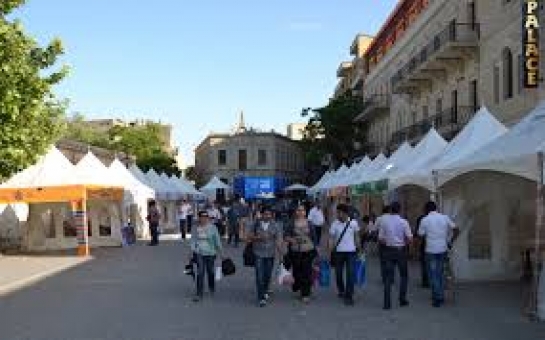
<point>27,281</point>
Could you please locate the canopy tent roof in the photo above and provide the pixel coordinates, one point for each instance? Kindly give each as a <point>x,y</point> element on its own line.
<point>359,168</point>
<point>90,170</point>
<point>296,187</point>
<point>120,174</point>
<point>431,146</point>
<point>515,152</point>
<point>163,190</point>
<point>55,179</point>
<point>397,160</point>
<point>214,184</point>
<point>184,186</point>
<point>318,186</point>
<point>139,175</point>
<point>375,165</point>
<point>482,129</point>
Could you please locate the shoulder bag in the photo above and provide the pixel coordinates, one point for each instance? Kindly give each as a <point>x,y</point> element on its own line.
<point>248,253</point>
<point>334,253</point>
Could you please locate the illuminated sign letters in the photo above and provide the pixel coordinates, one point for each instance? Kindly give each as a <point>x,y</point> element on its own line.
<point>530,31</point>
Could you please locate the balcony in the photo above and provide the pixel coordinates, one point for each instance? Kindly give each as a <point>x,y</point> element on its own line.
<point>344,70</point>
<point>447,123</point>
<point>374,105</point>
<point>456,42</point>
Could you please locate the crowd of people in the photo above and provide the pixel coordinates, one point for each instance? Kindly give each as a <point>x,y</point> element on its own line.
<point>292,233</point>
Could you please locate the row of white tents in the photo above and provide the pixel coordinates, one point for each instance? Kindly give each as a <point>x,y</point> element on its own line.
<point>488,178</point>
<point>55,170</point>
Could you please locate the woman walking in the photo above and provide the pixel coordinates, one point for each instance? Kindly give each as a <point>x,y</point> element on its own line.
<point>205,245</point>
<point>300,239</point>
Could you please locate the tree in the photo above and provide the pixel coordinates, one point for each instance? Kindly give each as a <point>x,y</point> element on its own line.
<point>194,176</point>
<point>30,115</point>
<point>332,133</point>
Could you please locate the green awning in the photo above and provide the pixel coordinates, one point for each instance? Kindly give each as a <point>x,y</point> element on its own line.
<point>376,187</point>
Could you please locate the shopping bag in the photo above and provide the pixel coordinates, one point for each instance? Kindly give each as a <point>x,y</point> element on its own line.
<point>228,267</point>
<point>360,271</point>
<point>285,278</point>
<point>219,274</point>
<point>325,274</point>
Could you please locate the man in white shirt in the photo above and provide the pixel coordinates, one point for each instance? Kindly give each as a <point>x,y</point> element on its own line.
<point>317,220</point>
<point>184,209</point>
<point>344,242</point>
<point>437,230</point>
<point>395,235</point>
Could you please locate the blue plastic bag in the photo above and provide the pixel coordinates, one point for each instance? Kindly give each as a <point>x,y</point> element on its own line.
<point>360,271</point>
<point>325,274</point>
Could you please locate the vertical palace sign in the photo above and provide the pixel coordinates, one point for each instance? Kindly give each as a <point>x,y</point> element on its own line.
<point>530,31</point>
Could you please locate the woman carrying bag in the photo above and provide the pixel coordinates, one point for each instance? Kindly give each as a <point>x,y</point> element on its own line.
<point>205,246</point>
<point>300,239</point>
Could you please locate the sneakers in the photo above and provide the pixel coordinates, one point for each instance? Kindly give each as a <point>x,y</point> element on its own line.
<point>267,297</point>
<point>197,298</point>
<point>403,303</point>
<point>349,301</point>
<point>306,300</point>
<point>262,303</point>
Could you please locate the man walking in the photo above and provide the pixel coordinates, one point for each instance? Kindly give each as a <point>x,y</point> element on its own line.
<point>153,219</point>
<point>317,220</point>
<point>344,241</point>
<point>266,236</point>
<point>395,234</point>
<point>185,216</point>
<point>437,230</point>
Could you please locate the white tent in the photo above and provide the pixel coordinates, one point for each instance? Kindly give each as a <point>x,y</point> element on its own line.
<point>515,152</point>
<point>140,192</point>
<point>482,129</point>
<point>139,175</point>
<point>318,186</point>
<point>375,165</point>
<point>215,184</point>
<point>358,169</point>
<point>399,159</point>
<point>431,146</point>
<point>185,187</point>
<point>162,190</point>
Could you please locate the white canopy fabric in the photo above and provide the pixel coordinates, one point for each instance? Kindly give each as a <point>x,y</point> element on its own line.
<point>215,184</point>
<point>360,167</point>
<point>431,146</point>
<point>375,165</point>
<point>90,170</point>
<point>184,186</point>
<point>53,169</point>
<point>399,159</point>
<point>162,190</point>
<point>318,186</point>
<point>120,174</point>
<point>515,152</point>
<point>481,130</point>
<point>296,187</point>
<point>139,175</point>
<point>337,179</point>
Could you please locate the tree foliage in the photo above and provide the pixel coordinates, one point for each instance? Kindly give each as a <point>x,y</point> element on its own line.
<point>30,115</point>
<point>331,136</point>
<point>142,141</point>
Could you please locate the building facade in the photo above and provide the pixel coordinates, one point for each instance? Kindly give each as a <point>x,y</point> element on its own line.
<point>351,73</point>
<point>434,63</point>
<point>296,131</point>
<point>248,153</point>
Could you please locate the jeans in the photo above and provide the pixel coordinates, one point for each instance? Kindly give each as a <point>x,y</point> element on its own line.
<point>393,257</point>
<point>183,225</point>
<point>302,272</point>
<point>424,269</point>
<point>346,262</point>
<point>317,234</point>
<point>436,263</point>
<point>234,235</point>
<point>154,231</point>
<point>205,264</point>
<point>189,224</point>
<point>381,251</point>
<point>263,274</point>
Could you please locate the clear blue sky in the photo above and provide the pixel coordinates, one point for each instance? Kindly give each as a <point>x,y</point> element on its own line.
<point>196,64</point>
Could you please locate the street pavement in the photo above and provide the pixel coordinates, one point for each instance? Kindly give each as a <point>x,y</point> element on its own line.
<point>141,293</point>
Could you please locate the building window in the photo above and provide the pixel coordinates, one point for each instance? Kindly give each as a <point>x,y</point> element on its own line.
<point>439,106</point>
<point>474,95</point>
<point>507,74</point>
<point>414,118</point>
<point>496,84</point>
<point>262,157</point>
<point>222,157</point>
<point>242,160</point>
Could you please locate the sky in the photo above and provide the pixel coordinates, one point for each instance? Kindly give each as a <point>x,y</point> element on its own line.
<point>197,64</point>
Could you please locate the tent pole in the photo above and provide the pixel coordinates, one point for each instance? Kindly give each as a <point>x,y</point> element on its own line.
<point>539,224</point>
<point>79,213</point>
<point>436,191</point>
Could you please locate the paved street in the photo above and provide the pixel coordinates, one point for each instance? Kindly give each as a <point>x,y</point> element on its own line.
<point>141,293</point>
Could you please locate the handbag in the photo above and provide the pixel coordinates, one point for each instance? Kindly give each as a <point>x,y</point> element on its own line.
<point>228,267</point>
<point>334,257</point>
<point>248,254</point>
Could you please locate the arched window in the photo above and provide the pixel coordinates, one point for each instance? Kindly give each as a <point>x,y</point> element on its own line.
<point>508,73</point>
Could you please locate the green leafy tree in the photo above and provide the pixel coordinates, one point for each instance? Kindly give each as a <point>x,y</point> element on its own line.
<point>331,136</point>
<point>30,115</point>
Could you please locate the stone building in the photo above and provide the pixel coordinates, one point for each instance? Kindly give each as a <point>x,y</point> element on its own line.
<point>435,62</point>
<point>295,131</point>
<point>249,153</point>
<point>351,73</point>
